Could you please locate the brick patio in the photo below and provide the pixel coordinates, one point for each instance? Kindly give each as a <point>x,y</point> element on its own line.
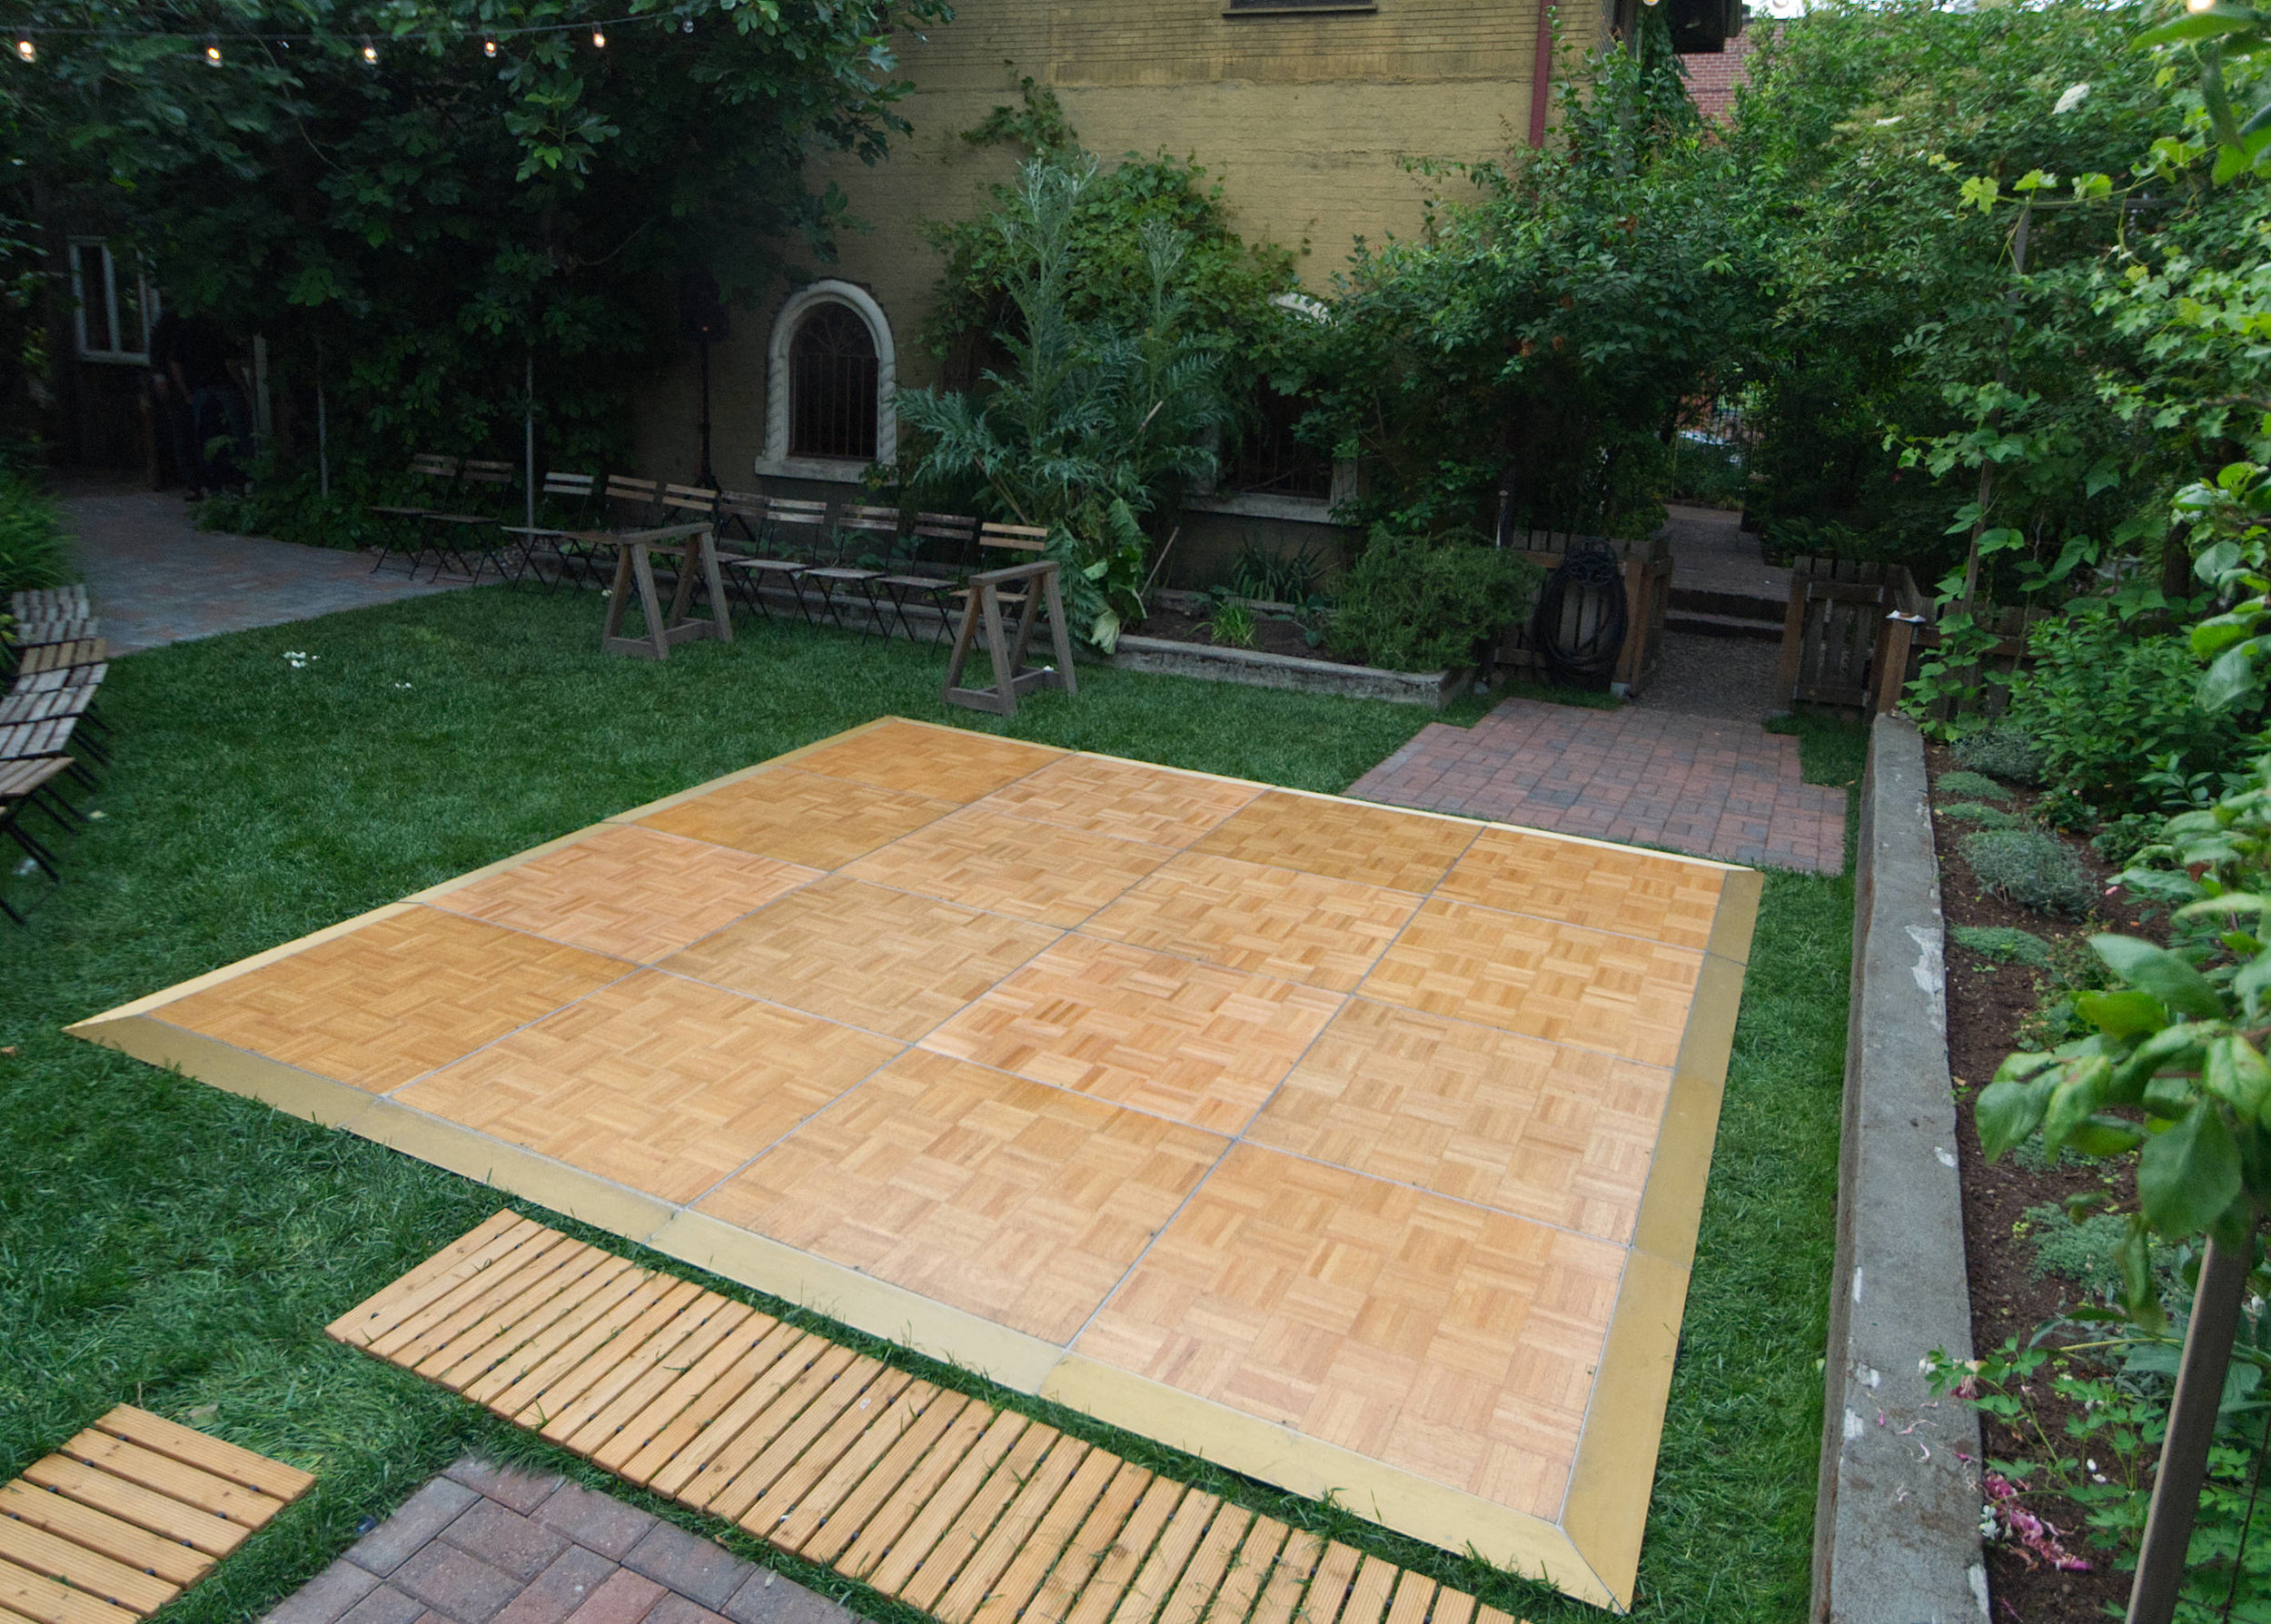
<point>485,1545</point>
<point>1712,787</point>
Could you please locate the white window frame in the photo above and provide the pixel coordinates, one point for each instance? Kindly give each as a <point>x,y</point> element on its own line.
<point>844,470</point>
<point>78,249</point>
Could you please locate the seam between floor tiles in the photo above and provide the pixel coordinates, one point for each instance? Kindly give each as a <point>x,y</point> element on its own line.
<point>1269,1099</point>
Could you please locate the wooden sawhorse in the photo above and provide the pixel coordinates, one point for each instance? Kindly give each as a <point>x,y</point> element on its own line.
<point>1012,676</point>
<point>695,545</point>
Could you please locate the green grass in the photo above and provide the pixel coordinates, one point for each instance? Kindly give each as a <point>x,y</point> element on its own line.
<point>166,1244</point>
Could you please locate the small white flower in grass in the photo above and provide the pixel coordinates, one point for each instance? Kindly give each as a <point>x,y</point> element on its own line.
<point>94,815</point>
<point>401,684</point>
<point>2072,98</point>
<point>25,866</point>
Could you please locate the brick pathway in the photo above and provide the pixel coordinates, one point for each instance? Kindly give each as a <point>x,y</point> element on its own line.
<point>484,1545</point>
<point>155,578</point>
<point>1714,788</point>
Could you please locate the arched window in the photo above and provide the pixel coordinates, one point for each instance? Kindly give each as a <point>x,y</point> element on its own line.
<point>832,385</point>
<point>831,374</point>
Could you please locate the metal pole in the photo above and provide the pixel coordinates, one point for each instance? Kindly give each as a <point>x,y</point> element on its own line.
<point>706,479</point>
<point>322,434</point>
<point>528,443</point>
<point>2184,1453</point>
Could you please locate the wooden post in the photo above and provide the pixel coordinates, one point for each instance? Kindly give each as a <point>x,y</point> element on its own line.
<point>1895,638</point>
<point>1794,632</point>
<point>1628,667</point>
<point>2184,1453</point>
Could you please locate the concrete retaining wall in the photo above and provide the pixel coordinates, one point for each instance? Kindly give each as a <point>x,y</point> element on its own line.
<point>1897,1526</point>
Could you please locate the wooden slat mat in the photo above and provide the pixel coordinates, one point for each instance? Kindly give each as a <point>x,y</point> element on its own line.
<point>128,1515</point>
<point>976,1515</point>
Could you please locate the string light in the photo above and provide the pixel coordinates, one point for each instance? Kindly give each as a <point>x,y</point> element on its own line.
<point>2199,5</point>
<point>24,49</point>
<point>489,47</point>
<point>28,50</point>
<point>213,54</point>
<point>599,38</point>
<point>370,52</point>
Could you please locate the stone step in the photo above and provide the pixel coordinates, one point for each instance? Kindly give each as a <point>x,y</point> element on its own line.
<point>1743,605</point>
<point>1723,626</point>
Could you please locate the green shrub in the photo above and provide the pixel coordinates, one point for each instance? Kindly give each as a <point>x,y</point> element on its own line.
<point>1987,817</point>
<point>2004,944</point>
<point>2084,1252</point>
<point>2032,868</point>
<point>2001,751</point>
<point>1971,787</point>
<point>31,543</point>
<point>2106,706</point>
<point>2122,838</point>
<point>1423,603</point>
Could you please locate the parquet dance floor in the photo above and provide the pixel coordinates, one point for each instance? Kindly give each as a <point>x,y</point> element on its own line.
<point>1357,1149</point>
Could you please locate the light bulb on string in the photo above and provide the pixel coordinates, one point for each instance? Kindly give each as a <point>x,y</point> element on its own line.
<point>2199,5</point>
<point>212,55</point>
<point>24,48</point>
<point>370,52</point>
<point>599,38</point>
<point>687,27</point>
<point>489,47</point>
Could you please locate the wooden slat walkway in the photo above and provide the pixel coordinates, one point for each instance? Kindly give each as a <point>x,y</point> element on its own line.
<point>128,1515</point>
<point>974,1515</point>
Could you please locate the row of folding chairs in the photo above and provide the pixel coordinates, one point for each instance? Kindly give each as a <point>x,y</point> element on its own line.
<point>51,732</point>
<point>822,558</point>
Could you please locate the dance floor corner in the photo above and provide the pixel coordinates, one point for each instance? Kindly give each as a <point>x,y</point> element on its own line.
<point>1357,1149</point>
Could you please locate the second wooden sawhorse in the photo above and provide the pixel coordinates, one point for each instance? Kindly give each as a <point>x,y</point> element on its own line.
<point>695,545</point>
<point>982,605</point>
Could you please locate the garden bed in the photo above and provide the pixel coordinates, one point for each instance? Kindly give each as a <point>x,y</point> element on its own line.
<point>1991,1003</point>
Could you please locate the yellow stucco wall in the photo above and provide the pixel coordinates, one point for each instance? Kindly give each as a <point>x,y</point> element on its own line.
<point>1305,120</point>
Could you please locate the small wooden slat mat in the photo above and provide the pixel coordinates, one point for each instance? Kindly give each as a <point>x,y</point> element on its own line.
<point>128,1515</point>
<point>1357,1149</point>
<point>973,1514</point>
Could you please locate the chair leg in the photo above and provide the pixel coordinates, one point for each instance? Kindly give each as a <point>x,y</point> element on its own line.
<point>32,849</point>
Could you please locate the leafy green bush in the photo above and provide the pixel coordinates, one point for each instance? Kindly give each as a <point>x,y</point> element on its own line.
<point>31,545</point>
<point>2032,868</point>
<point>2003,943</point>
<point>1268,576</point>
<point>1422,603</point>
<point>2001,751</point>
<point>2082,1250</point>
<point>2106,706</point>
<point>1971,786</point>
<point>2120,840</point>
<point>1987,817</point>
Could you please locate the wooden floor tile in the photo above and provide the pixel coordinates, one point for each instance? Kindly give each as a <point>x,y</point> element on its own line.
<point>947,764</point>
<point>660,1084</point>
<point>1454,1342</point>
<point>1105,795</point>
<point>396,998</point>
<point>799,818</point>
<point>634,893</point>
<point>1201,1044</point>
<point>887,960</point>
<point>1020,1202</point>
<point>1374,846</point>
<point>1633,893</point>
<point>1559,1134</point>
<point>1253,916</point>
<point>1619,994</point>
<point>986,859</point>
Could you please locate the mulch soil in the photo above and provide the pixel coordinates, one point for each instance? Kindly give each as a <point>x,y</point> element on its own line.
<point>1988,1001</point>
<point>1272,635</point>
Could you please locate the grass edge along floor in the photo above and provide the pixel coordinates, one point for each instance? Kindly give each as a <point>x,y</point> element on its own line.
<point>1591,1551</point>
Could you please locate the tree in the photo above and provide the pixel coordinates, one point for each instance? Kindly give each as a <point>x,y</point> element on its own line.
<point>373,176</point>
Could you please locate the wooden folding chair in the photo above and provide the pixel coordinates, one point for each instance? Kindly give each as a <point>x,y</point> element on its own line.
<point>563,506</point>
<point>58,629</point>
<point>429,468</point>
<point>854,521</point>
<point>47,658</point>
<point>473,536</point>
<point>778,557</point>
<point>953,537</point>
<point>22,785</point>
<point>55,704</point>
<point>38,741</point>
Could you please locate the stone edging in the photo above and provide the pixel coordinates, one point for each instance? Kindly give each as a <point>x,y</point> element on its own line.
<point>1258,670</point>
<point>1896,1520</point>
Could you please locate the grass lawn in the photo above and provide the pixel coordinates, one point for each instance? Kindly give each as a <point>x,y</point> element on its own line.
<point>165,1243</point>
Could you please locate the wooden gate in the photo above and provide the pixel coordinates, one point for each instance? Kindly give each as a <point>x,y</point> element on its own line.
<point>1849,633</point>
